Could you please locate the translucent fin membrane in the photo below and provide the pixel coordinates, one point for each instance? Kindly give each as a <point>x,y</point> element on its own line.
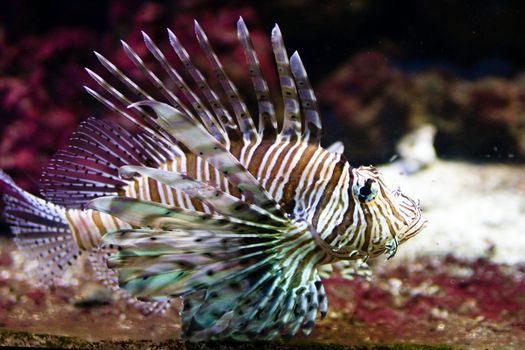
<point>88,167</point>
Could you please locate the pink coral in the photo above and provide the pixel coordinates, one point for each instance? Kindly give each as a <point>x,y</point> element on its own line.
<point>41,96</point>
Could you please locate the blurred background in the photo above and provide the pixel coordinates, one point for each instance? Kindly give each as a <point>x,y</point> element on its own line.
<point>432,91</point>
<point>380,68</point>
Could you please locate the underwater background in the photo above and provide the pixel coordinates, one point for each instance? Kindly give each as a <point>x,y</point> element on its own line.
<point>433,92</point>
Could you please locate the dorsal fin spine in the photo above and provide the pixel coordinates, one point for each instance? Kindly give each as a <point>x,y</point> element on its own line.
<point>146,122</point>
<point>221,114</point>
<point>205,115</point>
<point>117,73</point>
<point>309,106</point>
<point>267,118</point>
<point>241,112</point>
<point>291,121</point>
<point>139,63</point>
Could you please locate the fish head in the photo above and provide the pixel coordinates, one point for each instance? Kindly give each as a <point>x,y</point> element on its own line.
<point>390,216</point>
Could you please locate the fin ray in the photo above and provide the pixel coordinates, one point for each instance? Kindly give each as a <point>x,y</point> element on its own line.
<point>41,231</point>
<point>291,121</point>
<point>243,285</point>
<point>89,166</point>
<point>241,112</point>
<point>310,108</point>
<point>267,118</point>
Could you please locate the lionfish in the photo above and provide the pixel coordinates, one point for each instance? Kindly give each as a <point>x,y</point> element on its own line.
<point>197,202</point>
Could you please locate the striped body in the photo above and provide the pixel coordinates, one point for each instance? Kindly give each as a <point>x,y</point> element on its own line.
<point>307,181</point>
<point>88,227</point>
<point>285,169</point>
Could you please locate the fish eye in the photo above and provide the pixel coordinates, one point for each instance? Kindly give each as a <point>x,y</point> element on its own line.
<point>366,191</point>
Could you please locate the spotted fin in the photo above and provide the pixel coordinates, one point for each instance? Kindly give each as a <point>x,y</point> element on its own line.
<point>237,277</point>
<point>98,260</point>
<point>42,233</point>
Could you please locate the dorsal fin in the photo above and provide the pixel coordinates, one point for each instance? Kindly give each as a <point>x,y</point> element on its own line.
<point>203,113</point>
<point>242,114</point>
<point>301,113</point>
<point>143,120</point>
<point>221,113</point>
<point>137,61</point>
<point>88,167</point>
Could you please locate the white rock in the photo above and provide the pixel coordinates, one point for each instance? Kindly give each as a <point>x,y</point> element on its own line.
<point>473,211</point>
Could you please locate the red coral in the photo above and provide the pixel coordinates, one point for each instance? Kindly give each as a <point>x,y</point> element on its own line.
<point>41,95</point>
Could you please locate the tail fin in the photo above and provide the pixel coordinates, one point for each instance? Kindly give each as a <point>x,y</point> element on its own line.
<point>40,229</point>
<point>43,235</point>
